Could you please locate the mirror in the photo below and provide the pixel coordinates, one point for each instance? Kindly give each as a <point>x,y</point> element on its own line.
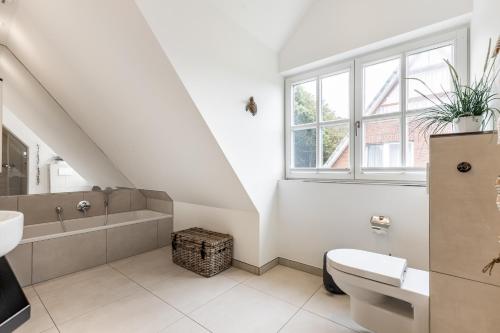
<point>29,166</point>
<point>43,149</point>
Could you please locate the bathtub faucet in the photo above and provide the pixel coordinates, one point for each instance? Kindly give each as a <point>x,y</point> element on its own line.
<point>106,205</point>
<point>59,211</point>
<point>83,206</point>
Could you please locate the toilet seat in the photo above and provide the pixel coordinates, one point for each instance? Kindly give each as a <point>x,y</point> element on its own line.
<point>369,265</point>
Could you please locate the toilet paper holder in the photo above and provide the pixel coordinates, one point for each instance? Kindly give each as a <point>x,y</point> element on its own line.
<point>380,222</point>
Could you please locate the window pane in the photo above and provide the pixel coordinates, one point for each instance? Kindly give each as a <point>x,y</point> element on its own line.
<point>304,103</point>
<point>417,147</point>
<point>335,147</point>
<point>335,97</point>
<point>304,145</point>
<point>382,143</point>
<point>428,66</point>
<point>381,87</point>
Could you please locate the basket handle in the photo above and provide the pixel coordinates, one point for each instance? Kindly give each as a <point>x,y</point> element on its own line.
<point>174,245</point>
<point>202,251</point>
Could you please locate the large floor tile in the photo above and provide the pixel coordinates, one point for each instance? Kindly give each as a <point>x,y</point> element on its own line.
<point>149,268</point>
<point>51,330</point>
<point>185,325</point>
<point>244,309</point>
<point>333,307</point>
<point>79,293</point>
<point>304,322</point>
<point>187,291</point>
<point>288,284</point>
<point>40,320</point>
<point>140,312</point>
<point>237,274</point>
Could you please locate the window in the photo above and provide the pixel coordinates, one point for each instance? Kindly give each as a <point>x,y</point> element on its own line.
<point>356,120</point>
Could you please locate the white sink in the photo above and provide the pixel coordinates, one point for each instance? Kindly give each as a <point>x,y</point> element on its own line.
<point>11,230</point>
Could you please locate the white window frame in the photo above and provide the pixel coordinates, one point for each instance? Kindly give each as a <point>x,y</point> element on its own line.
<point>458,38</point>
<point>319,172</point>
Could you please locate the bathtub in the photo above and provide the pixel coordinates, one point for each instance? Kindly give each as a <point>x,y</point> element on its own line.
<point>48,250</point>
<point>43,231</point>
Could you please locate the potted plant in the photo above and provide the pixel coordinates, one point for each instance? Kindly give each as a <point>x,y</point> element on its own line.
<point>468,108</point>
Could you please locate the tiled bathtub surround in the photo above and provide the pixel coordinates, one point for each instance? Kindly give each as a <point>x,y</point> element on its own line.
<point>47,251</point>
<point>40,208</point>
<point>158,201</point>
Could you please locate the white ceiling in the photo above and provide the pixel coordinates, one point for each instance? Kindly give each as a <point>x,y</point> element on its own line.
<point>270,21</point>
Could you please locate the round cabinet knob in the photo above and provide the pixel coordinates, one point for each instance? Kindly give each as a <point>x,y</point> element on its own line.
<point>464,167</point>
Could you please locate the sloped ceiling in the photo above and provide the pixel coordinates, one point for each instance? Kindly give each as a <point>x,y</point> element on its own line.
<point>269,21</point>
<point>332,27</point>
<point>7,12</point>
<point>32,105</point>
<point>100,60</point>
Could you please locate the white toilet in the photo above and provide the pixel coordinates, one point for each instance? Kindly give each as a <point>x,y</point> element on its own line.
<point>386,295</point>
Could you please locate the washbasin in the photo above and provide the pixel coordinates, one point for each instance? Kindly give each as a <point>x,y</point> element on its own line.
<point>11,230</point>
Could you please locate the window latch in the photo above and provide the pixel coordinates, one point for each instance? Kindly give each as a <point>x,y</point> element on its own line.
<point>357,126</point>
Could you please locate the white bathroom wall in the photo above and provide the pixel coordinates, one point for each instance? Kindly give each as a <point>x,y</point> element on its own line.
<point>31,140</point>
<point>221,65</point>
<point>103,64</point>
<point>485,24</point>
<point>317,217</point>
<point>30,103</point>
<point>239,224</point>
<point>63,178</point>
<point>334,27</point>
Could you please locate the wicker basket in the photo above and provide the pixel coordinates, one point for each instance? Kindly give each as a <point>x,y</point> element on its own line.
<point>204,252</point>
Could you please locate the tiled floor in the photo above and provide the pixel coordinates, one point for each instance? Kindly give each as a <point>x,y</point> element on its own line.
<point>148,293</point>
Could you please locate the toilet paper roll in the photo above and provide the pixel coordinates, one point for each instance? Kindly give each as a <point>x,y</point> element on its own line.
<point>379,231</point>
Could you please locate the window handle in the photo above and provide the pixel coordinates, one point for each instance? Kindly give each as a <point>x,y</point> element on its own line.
<point>357,126</point>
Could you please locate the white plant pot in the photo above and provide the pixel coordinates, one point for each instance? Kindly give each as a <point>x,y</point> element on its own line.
<point>467,124</point>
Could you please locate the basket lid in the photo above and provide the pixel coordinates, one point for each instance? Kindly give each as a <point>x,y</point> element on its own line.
<point>199,235</point>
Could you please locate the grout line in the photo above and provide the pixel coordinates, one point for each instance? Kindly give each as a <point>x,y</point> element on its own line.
<point>300,308</point>
<point>213,298</point>
<point>324,317</point>
<point>46,310</point>
<point>188,314</point>
<point>333,321</point>
<point>289,319</point>
<point>31,263</point>
<point>88,310</point>
<point>159,298</point>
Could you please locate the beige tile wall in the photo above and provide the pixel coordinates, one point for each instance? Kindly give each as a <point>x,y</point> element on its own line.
<point>64,255</point>
<point>138,200</point>
<point>8,203</point>
<point>161,206</point>
<point>464,234</point>
<point>130,240</point>
<point>41,208</point>
<point>464,219</point>
<point>20,261</point>
<point>96,200</point>
<point>165,228</point>
<point>463,306</point>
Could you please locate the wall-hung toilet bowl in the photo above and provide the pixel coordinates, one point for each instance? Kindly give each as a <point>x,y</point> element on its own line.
<point>386,295</point>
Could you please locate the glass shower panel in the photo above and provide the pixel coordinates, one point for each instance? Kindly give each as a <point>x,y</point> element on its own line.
<point>14,176</point>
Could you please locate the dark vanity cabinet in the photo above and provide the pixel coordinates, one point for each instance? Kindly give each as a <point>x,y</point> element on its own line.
<point>14,307</point>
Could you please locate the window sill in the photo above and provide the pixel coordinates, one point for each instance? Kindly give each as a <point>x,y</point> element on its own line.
<point>359,182</point>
